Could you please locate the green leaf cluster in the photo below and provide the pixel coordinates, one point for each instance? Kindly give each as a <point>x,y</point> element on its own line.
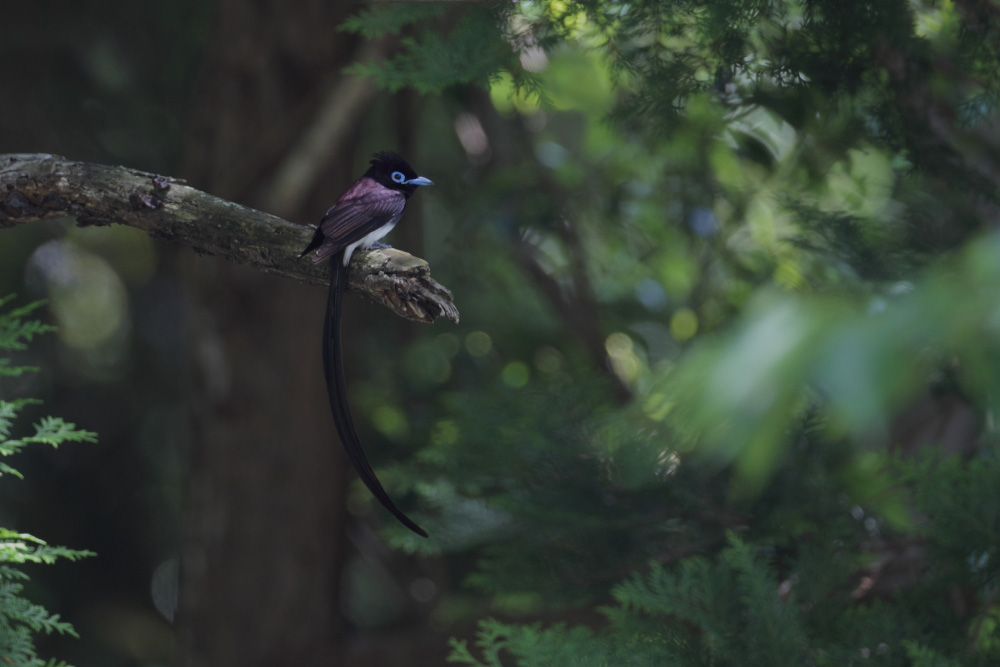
<point>469,52</point>
<point>436,50</point>
<point>21,620</point>
<point>758,604</point>
<point>771,226</point>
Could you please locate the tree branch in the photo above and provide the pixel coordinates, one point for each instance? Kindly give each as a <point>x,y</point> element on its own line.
<point>38,186</point>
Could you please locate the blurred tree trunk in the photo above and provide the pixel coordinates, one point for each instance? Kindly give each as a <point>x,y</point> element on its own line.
<point>264,512</point>
<point>264,520</point>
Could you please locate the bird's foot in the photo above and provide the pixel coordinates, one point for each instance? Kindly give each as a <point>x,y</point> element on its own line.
<point>377,245</point>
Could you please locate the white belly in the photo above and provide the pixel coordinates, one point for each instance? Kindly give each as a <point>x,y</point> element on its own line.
<point>368,240</point>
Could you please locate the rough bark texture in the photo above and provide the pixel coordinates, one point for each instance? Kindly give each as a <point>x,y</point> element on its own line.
<point>37,186</point>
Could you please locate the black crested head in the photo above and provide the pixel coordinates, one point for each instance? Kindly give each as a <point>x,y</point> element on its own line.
<point>394,172</point>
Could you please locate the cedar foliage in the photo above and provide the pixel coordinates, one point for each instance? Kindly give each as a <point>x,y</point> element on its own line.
<point>21,620</point>
<point>779,217</point>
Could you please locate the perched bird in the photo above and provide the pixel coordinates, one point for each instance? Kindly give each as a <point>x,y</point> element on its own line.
<point>369,210</point>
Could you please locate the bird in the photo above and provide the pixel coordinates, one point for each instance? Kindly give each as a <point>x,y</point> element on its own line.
<point>365,213</point>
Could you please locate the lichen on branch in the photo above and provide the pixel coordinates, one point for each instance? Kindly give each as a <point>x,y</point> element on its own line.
<point>39,186</point>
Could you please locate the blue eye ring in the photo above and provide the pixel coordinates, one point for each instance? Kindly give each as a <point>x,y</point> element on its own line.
<point>398,177</point>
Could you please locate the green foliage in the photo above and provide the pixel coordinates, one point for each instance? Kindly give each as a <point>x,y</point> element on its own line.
<point>732,610</point>
<point>472,52</point>
<point>49,431</point>
<point>752,284</point>
<point>722,612</point>
<point>536,646</point>
<point>375,22</point>
<point>962,524</point>
<point>15,334</point>
<point>20,620</point>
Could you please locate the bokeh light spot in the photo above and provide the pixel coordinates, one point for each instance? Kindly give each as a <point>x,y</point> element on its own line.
<point>478,343</point>
<point>684,324</point>
<point>86,295</point>
<point>515,374</point>
<point>548,360</point>
<point>621,353</point>
<point>445,433</point>
<point>391,422</point>
<point>449,344</point>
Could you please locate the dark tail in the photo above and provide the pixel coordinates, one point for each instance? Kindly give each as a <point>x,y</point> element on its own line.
<point>317,241</point>
<point>333,368</point>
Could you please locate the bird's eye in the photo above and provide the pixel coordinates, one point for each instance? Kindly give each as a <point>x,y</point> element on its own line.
<point>398,176</point>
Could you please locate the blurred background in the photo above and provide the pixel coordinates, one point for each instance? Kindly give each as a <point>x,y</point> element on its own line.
<point>727,277</point>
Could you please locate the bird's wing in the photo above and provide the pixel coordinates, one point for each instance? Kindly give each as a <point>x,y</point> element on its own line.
<point>365,207</point>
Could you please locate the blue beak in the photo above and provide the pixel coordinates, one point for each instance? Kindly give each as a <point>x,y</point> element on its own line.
<point>420,180</point>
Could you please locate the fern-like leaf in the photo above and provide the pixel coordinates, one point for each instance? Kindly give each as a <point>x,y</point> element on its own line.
<point>6,370</point>
<point>54,431</point>
<point>16,333</point>
<point>20,620</point>
<point>375,22</point>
